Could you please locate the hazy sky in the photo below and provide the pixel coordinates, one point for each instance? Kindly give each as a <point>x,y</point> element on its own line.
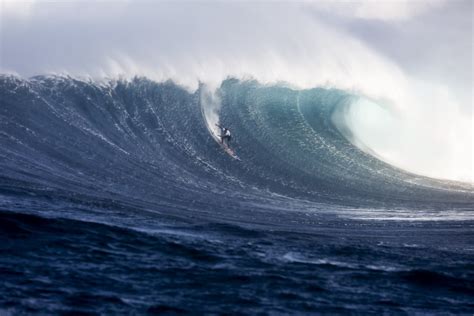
<point>414,55</point>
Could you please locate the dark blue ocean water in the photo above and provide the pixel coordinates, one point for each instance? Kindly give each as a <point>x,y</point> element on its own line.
<point>115,199</point>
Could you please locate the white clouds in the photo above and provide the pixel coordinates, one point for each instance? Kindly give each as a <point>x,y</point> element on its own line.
<point>15,8</point>
<point>383,10</point>
<point>395,10</point>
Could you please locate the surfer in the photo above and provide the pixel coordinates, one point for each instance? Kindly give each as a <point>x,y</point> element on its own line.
<point>225,135</point>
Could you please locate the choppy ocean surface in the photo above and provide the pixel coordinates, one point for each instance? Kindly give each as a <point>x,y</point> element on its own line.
<point>115,199</point>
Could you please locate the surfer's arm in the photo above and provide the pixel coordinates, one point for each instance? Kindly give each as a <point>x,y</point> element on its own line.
<point>221,128</point>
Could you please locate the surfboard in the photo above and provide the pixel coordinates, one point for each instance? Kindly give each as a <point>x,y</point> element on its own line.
<point>228,150</point>
<point>225,147</point>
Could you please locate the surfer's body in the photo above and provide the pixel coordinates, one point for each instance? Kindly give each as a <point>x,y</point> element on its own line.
<point>225,135</point>
<point>224,138</point>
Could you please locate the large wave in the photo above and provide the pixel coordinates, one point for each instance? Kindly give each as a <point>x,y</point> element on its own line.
<point>369,49</point>
<point>144,143</point>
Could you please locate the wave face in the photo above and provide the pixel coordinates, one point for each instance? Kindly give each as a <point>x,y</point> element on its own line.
<point>133,165</point>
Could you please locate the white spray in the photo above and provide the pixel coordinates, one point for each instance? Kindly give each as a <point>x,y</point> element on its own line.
<point>210,107</point>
